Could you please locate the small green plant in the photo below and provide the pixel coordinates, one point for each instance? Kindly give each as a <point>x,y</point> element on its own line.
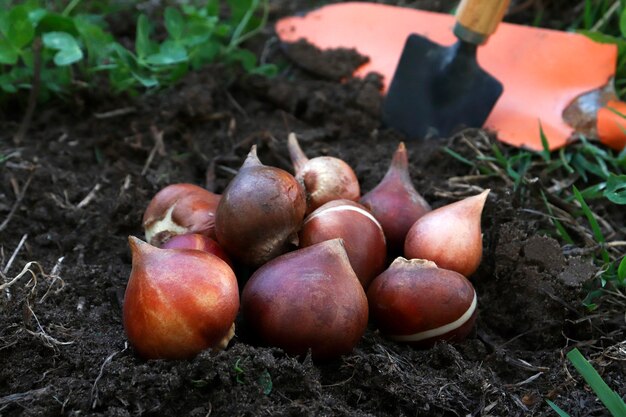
<point>53,51</point>
<point>611,400</point>
<point>239,371</point>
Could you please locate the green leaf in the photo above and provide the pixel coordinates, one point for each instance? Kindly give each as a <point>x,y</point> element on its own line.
<point>53,22</point>
<point>239,8</point>
<point>213,7</point>
<point>611,400</point>
<point>545,153</point>
<point>558,410</point>
<point>169,53</point>
<point>622,23</point>
<point>246,58</point>
<point>4,21</point>
<point>205,53</point>
<point>8,54</point>
<point>616,189</point>
<point>199,32</point>
<point>35,16</point>
<point>20,31</point>
<point>559,227</point>
<point>6,84</point>
<point>458,156</point>
<point>595,227</point>
<point>621,270</point>
<point>174,23</point>
<point>130,68</point>
<point>96,41</point>
<point>66,45</point>
<point>143,45</point>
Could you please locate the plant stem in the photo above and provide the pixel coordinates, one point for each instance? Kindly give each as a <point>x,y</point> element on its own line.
<point>238,35</point>
<point>34,93</point>
<point>68,9</point>
<point>614,8</point>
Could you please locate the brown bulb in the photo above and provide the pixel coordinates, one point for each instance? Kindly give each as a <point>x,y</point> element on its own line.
<point>325,178</point>
<point>178,302</point>
<point>307,299</point>
<point>198,242</point>
<point>363,236</point>
<point>179,209</point>
<point>415,302</point>
<point>450,236</point>
<point>260,212</point>
<point>394,201</point>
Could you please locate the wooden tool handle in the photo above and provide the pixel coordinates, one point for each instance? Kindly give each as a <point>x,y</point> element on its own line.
<point>476,20</point>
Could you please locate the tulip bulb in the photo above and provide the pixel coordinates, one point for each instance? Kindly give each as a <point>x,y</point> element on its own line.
<point>260,212</point>
<point>416,302</point>
<point>450,236</point>
<point>307,299</point>
<point>178,302</point>
<point>325,178</point>
<point>179,209</point>
<point>198,242</point>
<point>363,236</point>
<point>394,201</point>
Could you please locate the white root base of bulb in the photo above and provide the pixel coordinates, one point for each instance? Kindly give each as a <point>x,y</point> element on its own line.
<point>416,337</point>
<point>166,224</point>
<point>345,208</point>
<point>223,343</point>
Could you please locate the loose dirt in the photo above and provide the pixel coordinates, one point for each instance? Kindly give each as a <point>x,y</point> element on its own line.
<point>76,188</point>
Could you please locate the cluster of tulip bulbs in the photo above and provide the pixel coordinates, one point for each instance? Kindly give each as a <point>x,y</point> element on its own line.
<point>319,250</point>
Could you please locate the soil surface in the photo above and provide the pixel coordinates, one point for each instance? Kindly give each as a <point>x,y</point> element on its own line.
<point>74,190</point>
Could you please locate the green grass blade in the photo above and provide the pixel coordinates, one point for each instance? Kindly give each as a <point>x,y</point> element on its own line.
<point>458,157</point>
<point>545,153</point>
<point>595,227</point>
<point>557,409</point>
<point>621,270</point>
<point>609,398</point>
<point>565,162</point>
<point>559,227</point>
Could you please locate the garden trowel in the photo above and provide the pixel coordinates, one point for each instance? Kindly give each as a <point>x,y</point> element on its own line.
<point>436,89</point>
<point>556,82</point>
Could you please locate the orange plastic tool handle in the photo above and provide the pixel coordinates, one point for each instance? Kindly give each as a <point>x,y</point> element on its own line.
<point>611,125</point>
<point>476,20</point>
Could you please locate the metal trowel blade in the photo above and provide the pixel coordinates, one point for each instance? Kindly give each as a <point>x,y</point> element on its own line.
<point>437,89</point>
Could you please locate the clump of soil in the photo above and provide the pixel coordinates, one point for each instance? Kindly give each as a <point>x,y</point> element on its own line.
<point>74,190</point>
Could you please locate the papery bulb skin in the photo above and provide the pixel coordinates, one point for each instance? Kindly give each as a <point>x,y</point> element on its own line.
<point>198,242</point>
<point>260,212</point>
<point>362,235</point>
<point>395,202</point>
<point>416,302</point>
<point>307,299</point>
<point>325,178</point>
<point>179,209</point>
<point>450,236</point>
<point>178,302</point>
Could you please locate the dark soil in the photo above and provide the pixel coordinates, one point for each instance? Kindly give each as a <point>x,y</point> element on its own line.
<point>76,187</point>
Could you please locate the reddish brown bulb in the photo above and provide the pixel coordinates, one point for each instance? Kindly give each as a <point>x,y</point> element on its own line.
<point>325,178</point>
<point>307,299</point>
<point>415,302</point>
<point>179,209</point>
<point>178,302</point>
<point>260,212</point>
<point>394,201</point>
<point>450,236</point>
<point>197,242</point>
<point>362,235</point>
